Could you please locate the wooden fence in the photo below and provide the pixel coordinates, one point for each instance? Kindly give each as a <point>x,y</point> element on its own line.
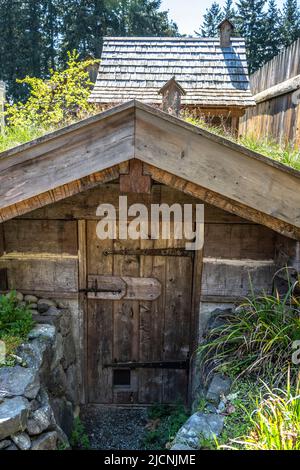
<point>2,101</point>
<point>276,89</point>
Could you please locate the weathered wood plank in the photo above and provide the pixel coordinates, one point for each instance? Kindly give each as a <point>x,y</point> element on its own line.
<point>42,275</point>
<point>236,279</point>
<point>41,236</point>
<point>224,203</point>
<point>239,241</point>
<point>60,193</point>
<point>222,168</point>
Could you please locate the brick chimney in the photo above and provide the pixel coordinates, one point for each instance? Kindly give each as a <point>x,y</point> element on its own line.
<point>226,29</point>
<point>171,97</point>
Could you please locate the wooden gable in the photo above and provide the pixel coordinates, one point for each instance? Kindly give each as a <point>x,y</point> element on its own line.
<point>172,151</point>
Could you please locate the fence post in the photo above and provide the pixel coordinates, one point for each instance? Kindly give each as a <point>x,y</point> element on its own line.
<point>2,102</point>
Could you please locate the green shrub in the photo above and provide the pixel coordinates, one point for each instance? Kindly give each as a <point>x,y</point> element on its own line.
<point>255,339</point>
<point>164,423</point>
<point>15,324</point>
<point>79,439</point>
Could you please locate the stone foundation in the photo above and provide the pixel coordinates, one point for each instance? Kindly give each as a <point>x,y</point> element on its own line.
<point>38,394</point>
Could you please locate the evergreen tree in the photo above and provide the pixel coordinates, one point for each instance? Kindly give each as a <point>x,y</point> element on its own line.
<point>273,31</point>
<point>251,24</point>
<point>211,20</point>
<point>290,22</point>
<point>229,11</point>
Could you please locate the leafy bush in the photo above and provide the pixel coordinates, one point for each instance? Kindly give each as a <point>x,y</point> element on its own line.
<point>164,423</point>
<point>256,338</point>
<point>276,421</point>
<point>52,103</point>
<point>15,323</point>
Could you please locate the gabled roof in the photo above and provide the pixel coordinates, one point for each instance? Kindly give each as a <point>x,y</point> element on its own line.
<point>137,68</point>
<point>173,152</point>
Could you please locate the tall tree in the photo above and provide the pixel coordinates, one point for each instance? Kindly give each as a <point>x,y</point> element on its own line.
<point>273,31</point>
<point>211,20</point>
<point>290,22</point>
<point>229,11</point>
<point>251,24</point>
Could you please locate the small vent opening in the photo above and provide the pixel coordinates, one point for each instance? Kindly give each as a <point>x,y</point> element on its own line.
<point>122,378</point>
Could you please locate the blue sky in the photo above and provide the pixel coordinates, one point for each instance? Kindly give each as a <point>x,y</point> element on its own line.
<point>188,13</point>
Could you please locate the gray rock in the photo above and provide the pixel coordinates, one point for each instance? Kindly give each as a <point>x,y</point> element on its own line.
<point>217,318</point>
<point>58,351</point>
<point>12,447</point>
<point>32,306</point>
<point>33,353</point>
<point>199,425</point>
<point>65,322</point>
<point>34,313</point>
<point>17,381</point>
<point>45,441</point>
<point>220,385</point>
<point>72,384</point>
<point>19,296</point>
<point>63,413</point>
<point>22,441</point>
<point>5,443</point>
<point>42,331</point>
<point>45,304</point>
<point>39,420</point>
<point>13,416</point>
<point>69,356</point>
<point>62,438</point>
<point>57,382</point>
<point>31,299</point>
<point>182,447</point>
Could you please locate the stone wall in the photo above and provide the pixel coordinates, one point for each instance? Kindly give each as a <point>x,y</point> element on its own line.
<point>38,394</point>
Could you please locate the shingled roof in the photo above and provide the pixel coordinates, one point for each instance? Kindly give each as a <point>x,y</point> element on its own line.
<point>137,68</point>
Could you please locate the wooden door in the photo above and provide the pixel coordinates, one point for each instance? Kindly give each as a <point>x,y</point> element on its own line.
<point>138,348</point>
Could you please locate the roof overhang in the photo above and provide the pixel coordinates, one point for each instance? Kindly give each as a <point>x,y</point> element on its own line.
<point>174,152</point>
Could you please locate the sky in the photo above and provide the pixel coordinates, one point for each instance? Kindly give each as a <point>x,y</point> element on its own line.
<point>188,13</point>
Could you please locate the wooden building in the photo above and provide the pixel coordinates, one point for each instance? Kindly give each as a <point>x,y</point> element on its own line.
<point>276,90</point>
<point>139,306</point>
<point>212,72</point>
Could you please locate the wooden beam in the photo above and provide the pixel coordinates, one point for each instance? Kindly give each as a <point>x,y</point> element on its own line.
<point>62,192</point>
<point>91,148</point>
<point>225,168</point>
<point>283,88</point>
<point>222,202</point>
<point>81,325</point>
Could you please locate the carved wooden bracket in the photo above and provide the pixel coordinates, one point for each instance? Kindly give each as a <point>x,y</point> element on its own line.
<point>135,181</point>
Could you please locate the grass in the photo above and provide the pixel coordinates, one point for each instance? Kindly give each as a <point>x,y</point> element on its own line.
<point>238,422</point>
<point>15,324</point>
<point>256,339</point>
<point>164,423</point>
<point>285,154</point>
<point>14,136</point>
<point>254,346</point>
<point>275,424</point>
<point>79,439</point>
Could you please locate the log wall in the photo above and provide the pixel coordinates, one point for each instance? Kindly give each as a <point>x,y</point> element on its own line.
<point>41,254</point>
<point>278,117</point>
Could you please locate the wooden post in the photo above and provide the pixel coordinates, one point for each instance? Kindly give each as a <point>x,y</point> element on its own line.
<point>171,97</point>
<point>2,101</point>
<point>82,310</point>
